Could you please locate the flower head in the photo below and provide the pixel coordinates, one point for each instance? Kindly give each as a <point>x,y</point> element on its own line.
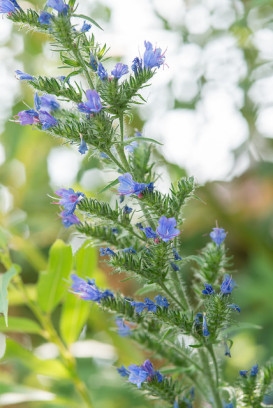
<point>93,62</point>
<point>28,117</point>
<point>119,70</point>
<point>69,199</point>
<point>139,306</point>
<point>166,229</point>
<point>208,289</point>
<point>137,65</point>
<point>106,252</point>
<point>236,308</point>
<point>254,370</point>
<point>69,219</point>
<point>228,285</point>
<point>243,373</point>
<point>139,225</point>
<point>175,405</point>
<point>102,73</point>
<point>218,235</point>
<point>129,250</point>
<point>8,6</point>
<point>150,305</point>
<point>58,5</point>
<point>176,255</point>
<point>137,375</point>
<point>45,18</point>
<point>175,267</point>
<point>128,186</point>
<point>127,210</point>
<point>161,301</point>
<point>48,103</point>
<point>227,350</point>
<point>93,104</point>
<point>85,27</point>
<point>23,76</point>
<point>123,329</point>
<point>47,120</point>
<point>150,233</point>
<point>123,371</point>
<point>83,148</point>
<point>87,290</point>
<point>152,57</point>
<point>205,327</point>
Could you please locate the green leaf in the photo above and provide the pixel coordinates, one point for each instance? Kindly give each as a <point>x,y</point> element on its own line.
<point>89,19</point>
<point>139,139</point>
<point>51,285</point>
<point>2,345</point>
<point>20,325</point>
<point>4,281</point>
<point>75,311</point>
<point>113,183</point>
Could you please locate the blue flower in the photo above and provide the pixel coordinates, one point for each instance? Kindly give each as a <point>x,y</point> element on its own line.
<point>85,27</point>
<point>47,120</point>
<point>93,105</point>
<point>243,373</point>
<point>22,76</point>
<point>166,229</point>
<point>175,405</point>
<point>230,405</point>
<point>176,256</point>
<point>47,103</point>
<point>114,230</point>
<point>28,117</point>
<point>148,367</point>
<point>218,235</point>
<point>83,148</point>
<point>152,57</point>
<point>137,375</point>
<point>150,187</point>
<point>123,371</point>
<point>58,5</point>
<point>106,252</point>
<point>236,308</point>
<point>102,73</point>
<point>150,305</point>
<point>175,267</point>
<point>119,70</point>
<point>227,350</point>
<point>128,186</point>
<point>150,233</point>
<point>123,329</point>
<point>127,210</point>
<point>161,301</point>
<point>8,6</point>
<point>139,306</point>
<point>208,289</point>
<point>69,219</point>
<point>88,290</point>
<point>205,327</point>
<point>137,65</point>
<point>45,18</point>
<point>69,199</point>
<point>228,285</point>
<point>93,62</point>
<point>139,225</point>
<point>254,370</point>
<point>129,250</point>
<point>197,318</point>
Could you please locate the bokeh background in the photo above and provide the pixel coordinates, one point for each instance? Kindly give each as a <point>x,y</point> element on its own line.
<point>212,107</point>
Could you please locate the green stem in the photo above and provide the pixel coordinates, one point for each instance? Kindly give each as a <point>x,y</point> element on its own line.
<point>209,376</point>
<point>112,157</point>
<point>179,288</point>
<point>169,293</point>
<point>81,61</point>
<point>211,351</point>
<point>120,148</point>
<point>51,335</point>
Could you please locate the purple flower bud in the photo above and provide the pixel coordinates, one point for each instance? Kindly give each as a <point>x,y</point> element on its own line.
<point>93,62</point>
<point>119,70</point>
<point>208,289</point>
<point>22,76</point>
<point>205,327</point>
<point>102,73</point>
<point>243,373</point>
<point>254,370</point>
<point>228,285</point>
<point>236,308</point>
<point>85,27</point>
<point>83,148</point>
<point>150,233</point>
<point>123,371</point>
<point>123,329</point>
<point>218,235</point>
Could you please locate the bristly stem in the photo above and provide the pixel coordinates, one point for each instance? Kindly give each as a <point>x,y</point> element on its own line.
<point>169,293</point>
<point>120,148</point>
<point>80,60</point>
<point>213,387</point>
<point>211,351</point>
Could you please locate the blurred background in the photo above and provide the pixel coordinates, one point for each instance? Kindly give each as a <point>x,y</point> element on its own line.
<point>212,107</point>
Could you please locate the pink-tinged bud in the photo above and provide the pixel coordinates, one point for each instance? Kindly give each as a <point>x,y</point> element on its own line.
<point>140,195</point>
<point>157,241</point>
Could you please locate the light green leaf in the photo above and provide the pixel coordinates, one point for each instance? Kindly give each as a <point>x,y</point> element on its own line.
<point>75,311</point>
<point>20,325</point>
<point>139,139</point>
<point>113,183</point>
<point>89,19</point>
<point>4,281</point>
<point>51,285</point>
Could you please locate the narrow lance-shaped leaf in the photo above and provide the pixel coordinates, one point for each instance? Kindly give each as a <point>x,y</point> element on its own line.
<point>52,285</point>
<point>4,281</point>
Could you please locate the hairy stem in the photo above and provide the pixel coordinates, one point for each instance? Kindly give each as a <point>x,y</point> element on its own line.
<point>169,293</point>
<point>212,385</point>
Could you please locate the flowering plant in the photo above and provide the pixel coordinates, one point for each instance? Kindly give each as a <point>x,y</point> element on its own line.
<point>184,323</point>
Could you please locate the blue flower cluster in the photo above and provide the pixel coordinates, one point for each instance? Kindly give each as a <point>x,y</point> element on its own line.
<point>69,200</point>
<point>227,287</point>
<point>150,305</point>
<point>87,290</point>
<point>139,374</point>
<point>43,105</point>
<point>152,58</point>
